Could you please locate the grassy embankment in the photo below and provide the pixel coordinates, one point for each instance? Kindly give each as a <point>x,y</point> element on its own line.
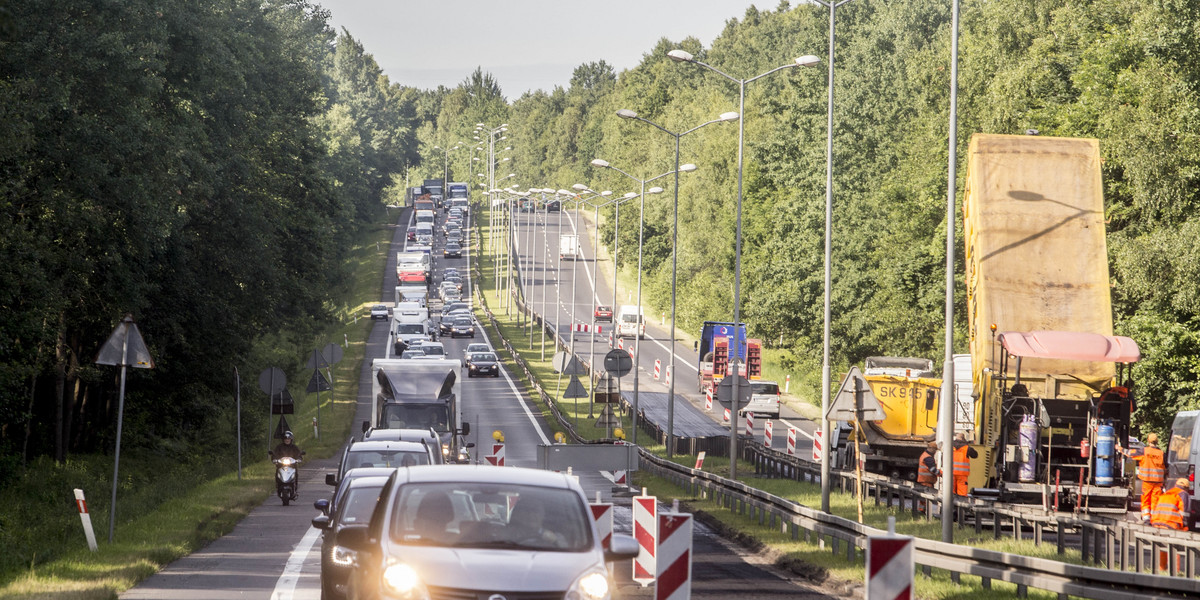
<point>827,565</point>
<point>163,518</point>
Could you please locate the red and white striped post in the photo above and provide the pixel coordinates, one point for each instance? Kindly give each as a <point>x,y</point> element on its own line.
<point>708,401</point>
<point>817,446</point>
<point>791,441</point>
<point>750,424</point>
<point>86,518</point>
<point>669,369</point>
<point>620,343</point>
<point>496,458</point>
<point>727,417</point>
<point>700,459</point>
<point>889,565</point>
<point>657,368</point>
<point>768,433</point>
<point>645,531</point>
<point>602,514</point>
<point>674,560</point>
<point>787,383</point>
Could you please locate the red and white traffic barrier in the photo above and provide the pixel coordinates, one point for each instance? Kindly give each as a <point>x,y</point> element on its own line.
<point>610,340</point>
<point>708,400</point>
<point>617,477</point>
<point>620,343</point>
<point>889,566</point>
<point>645,531</point>
<point>496,458</point>
<point>669,369</point>
<point>787,383</point>
<point>582,327</point>
<point>86,518</point>
<point>657,368</point>
<point>700,459</point>
<point>768,433</point>
<point>727,416</point>
<point>602,514</point>
<point>750,424</point>
<point>674,560</point>
<point>817,446</point>
<point>791,441</point>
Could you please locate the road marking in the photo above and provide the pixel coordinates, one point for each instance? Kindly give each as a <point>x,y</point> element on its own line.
<point>285,587</point>
<point>524,405</point>
<point>797,428</point>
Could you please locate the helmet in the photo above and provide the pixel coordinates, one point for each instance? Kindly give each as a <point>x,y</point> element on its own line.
<point>1183,483</point>
<point>287,435</point>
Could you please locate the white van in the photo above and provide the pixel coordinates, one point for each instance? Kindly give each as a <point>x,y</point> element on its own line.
<point>631,322</point>
<point>425,233</point>
<point>425,216</point>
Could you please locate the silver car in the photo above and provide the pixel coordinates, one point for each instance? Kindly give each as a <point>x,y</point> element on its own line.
<point>472,531</point>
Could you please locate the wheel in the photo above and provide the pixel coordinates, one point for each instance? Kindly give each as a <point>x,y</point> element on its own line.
<point>286,500</point>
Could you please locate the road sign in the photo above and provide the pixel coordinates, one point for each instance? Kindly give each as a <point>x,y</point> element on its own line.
<point>618,363</point>
<point>560,361</point>
<point>271,380</point>
<point>725,390</point>
<point>673,557</point>
<point>282,403</point>
<point>645,531</point>
<point>332,353</point>
<point>575,389</point>
<point>317,383</point>
<point>855,400</point>
<point>316,360</point>
<point>889,567</point>
<point>607,391</point>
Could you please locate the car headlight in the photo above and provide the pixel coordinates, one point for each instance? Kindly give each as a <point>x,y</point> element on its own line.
<point>403,581</point>
<point>342,556</point>
<point>592,585</point>
<point>445,449</point>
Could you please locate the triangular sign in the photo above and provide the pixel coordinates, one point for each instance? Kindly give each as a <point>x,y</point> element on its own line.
<point>855,399</point>
<point>317,383</point>
<point>574,368</point>
<point>125,347</point>
<point>283,426</point>
<point>282,403</point>
<point>316,360</point>
<point>575,389</point>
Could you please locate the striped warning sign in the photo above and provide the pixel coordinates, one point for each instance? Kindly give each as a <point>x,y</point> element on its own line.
<point>496,458</point>
<point>657,369</point>
<point>768,433</point>
<point>674,560</point>
<point>620,343</point>
<point>750,424</point>
<point>791,441</point>
<point>817,446</point>
<point>889,568</point>
<point>708,400</point>
<point>669,369</point>
<point>645,531</point>
<point>602,514</point>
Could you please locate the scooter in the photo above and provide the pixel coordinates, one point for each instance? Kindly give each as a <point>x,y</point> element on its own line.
<point>285,477</point>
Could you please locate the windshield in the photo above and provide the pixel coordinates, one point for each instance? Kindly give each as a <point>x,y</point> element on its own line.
<point>764,387</point>
<point>489,515</point>
<point>410,328</point>
<point>384,458</point>
<point>628,318</point>
<point>433,350</point>
<point>359,503</point>
<point>483,357</point>
<point>415,416</point>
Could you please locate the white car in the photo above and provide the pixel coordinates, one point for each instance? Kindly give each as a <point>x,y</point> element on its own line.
<point>379,311</point>
<point>469,531</point>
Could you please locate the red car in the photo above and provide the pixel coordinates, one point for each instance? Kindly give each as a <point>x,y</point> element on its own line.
<point>603,313</point>
<point>412,234</point>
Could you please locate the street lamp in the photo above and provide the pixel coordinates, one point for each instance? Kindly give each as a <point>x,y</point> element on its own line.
<point>637,344</point>
<point>625,113</point>
<point>807,60</point>
<point>595,249</point>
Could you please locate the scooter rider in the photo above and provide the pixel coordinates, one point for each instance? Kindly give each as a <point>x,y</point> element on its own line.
<point>287,449</point>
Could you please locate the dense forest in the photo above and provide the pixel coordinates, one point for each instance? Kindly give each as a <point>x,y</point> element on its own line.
<point>1125,72</point>
<point>205,164</point>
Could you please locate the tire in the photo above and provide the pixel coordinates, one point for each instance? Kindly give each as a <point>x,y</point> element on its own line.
<point>286,500</point>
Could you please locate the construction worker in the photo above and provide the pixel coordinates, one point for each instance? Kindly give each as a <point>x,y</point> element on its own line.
<point>927,470</point>
<point>1151,471</point>
<point>963,453</point>
<point>1169,509</point>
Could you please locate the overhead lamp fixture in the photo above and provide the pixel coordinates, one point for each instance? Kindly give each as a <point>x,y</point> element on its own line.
<point>681,55</point>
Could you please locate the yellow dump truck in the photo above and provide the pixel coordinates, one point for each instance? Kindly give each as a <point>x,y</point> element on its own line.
<point>1045,364</point>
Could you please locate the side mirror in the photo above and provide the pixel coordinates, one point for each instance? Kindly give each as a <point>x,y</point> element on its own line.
<point>466,429</point>
<point>355,538</point>
<point>470,444</point>
<point>302,453</point>
<point>322,505</point>
<point>331,479</point>
<point>321,522</point>
<point>622,547</point>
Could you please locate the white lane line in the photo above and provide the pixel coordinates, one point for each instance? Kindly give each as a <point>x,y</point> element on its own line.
<point>797,428</point>
<point>285,587</point>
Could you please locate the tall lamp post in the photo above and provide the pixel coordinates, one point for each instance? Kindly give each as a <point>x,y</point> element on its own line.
<point>637,344</point>
<point>629,114</point>
<point>807,60</point>
<point>595,250</point>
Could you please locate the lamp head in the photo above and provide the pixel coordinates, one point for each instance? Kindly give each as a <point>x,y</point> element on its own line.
<point>625,113</point>
<point>687,168</point>
<point>730,116</point>
<point>606,193</point>
<point>599,162</point>
<point>678,55</point>
<point>808,60</point>
<point>580,187</point>
<point>654,190</point>
<point>631,195</point>
<point>563,192</point>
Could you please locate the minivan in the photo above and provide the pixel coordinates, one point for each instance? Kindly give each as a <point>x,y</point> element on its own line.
<point>425,234</point>
<point>1182,454</point>
<point>631,322</point>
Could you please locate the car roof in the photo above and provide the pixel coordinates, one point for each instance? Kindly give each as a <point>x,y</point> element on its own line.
<point>360,472</point>
<point>487,474</point>
<point>400,434</point>
<point>376,445</point>
<point>369,480</point>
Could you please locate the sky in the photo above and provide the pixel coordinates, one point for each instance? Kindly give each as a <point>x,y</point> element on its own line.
<point>524,44</point>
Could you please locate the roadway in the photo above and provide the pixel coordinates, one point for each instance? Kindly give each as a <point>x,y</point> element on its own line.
<point>568,299</point>
<point>273,553</point>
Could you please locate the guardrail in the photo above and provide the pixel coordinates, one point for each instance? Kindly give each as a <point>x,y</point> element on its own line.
<point>1115,544</point>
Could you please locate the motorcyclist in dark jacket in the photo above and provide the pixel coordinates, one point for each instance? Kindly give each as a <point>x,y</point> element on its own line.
<point>286,448</point>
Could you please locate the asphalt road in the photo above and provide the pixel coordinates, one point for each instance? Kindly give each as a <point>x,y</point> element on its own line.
<point>274,552</point>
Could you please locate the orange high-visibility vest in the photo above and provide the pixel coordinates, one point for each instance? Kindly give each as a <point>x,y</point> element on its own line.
<point>925,475</point>
<point>962,464</point>
<point>1150,465</point>
<point>1168,512</point>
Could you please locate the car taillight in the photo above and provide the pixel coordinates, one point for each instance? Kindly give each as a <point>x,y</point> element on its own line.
<point>1192,473</point>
